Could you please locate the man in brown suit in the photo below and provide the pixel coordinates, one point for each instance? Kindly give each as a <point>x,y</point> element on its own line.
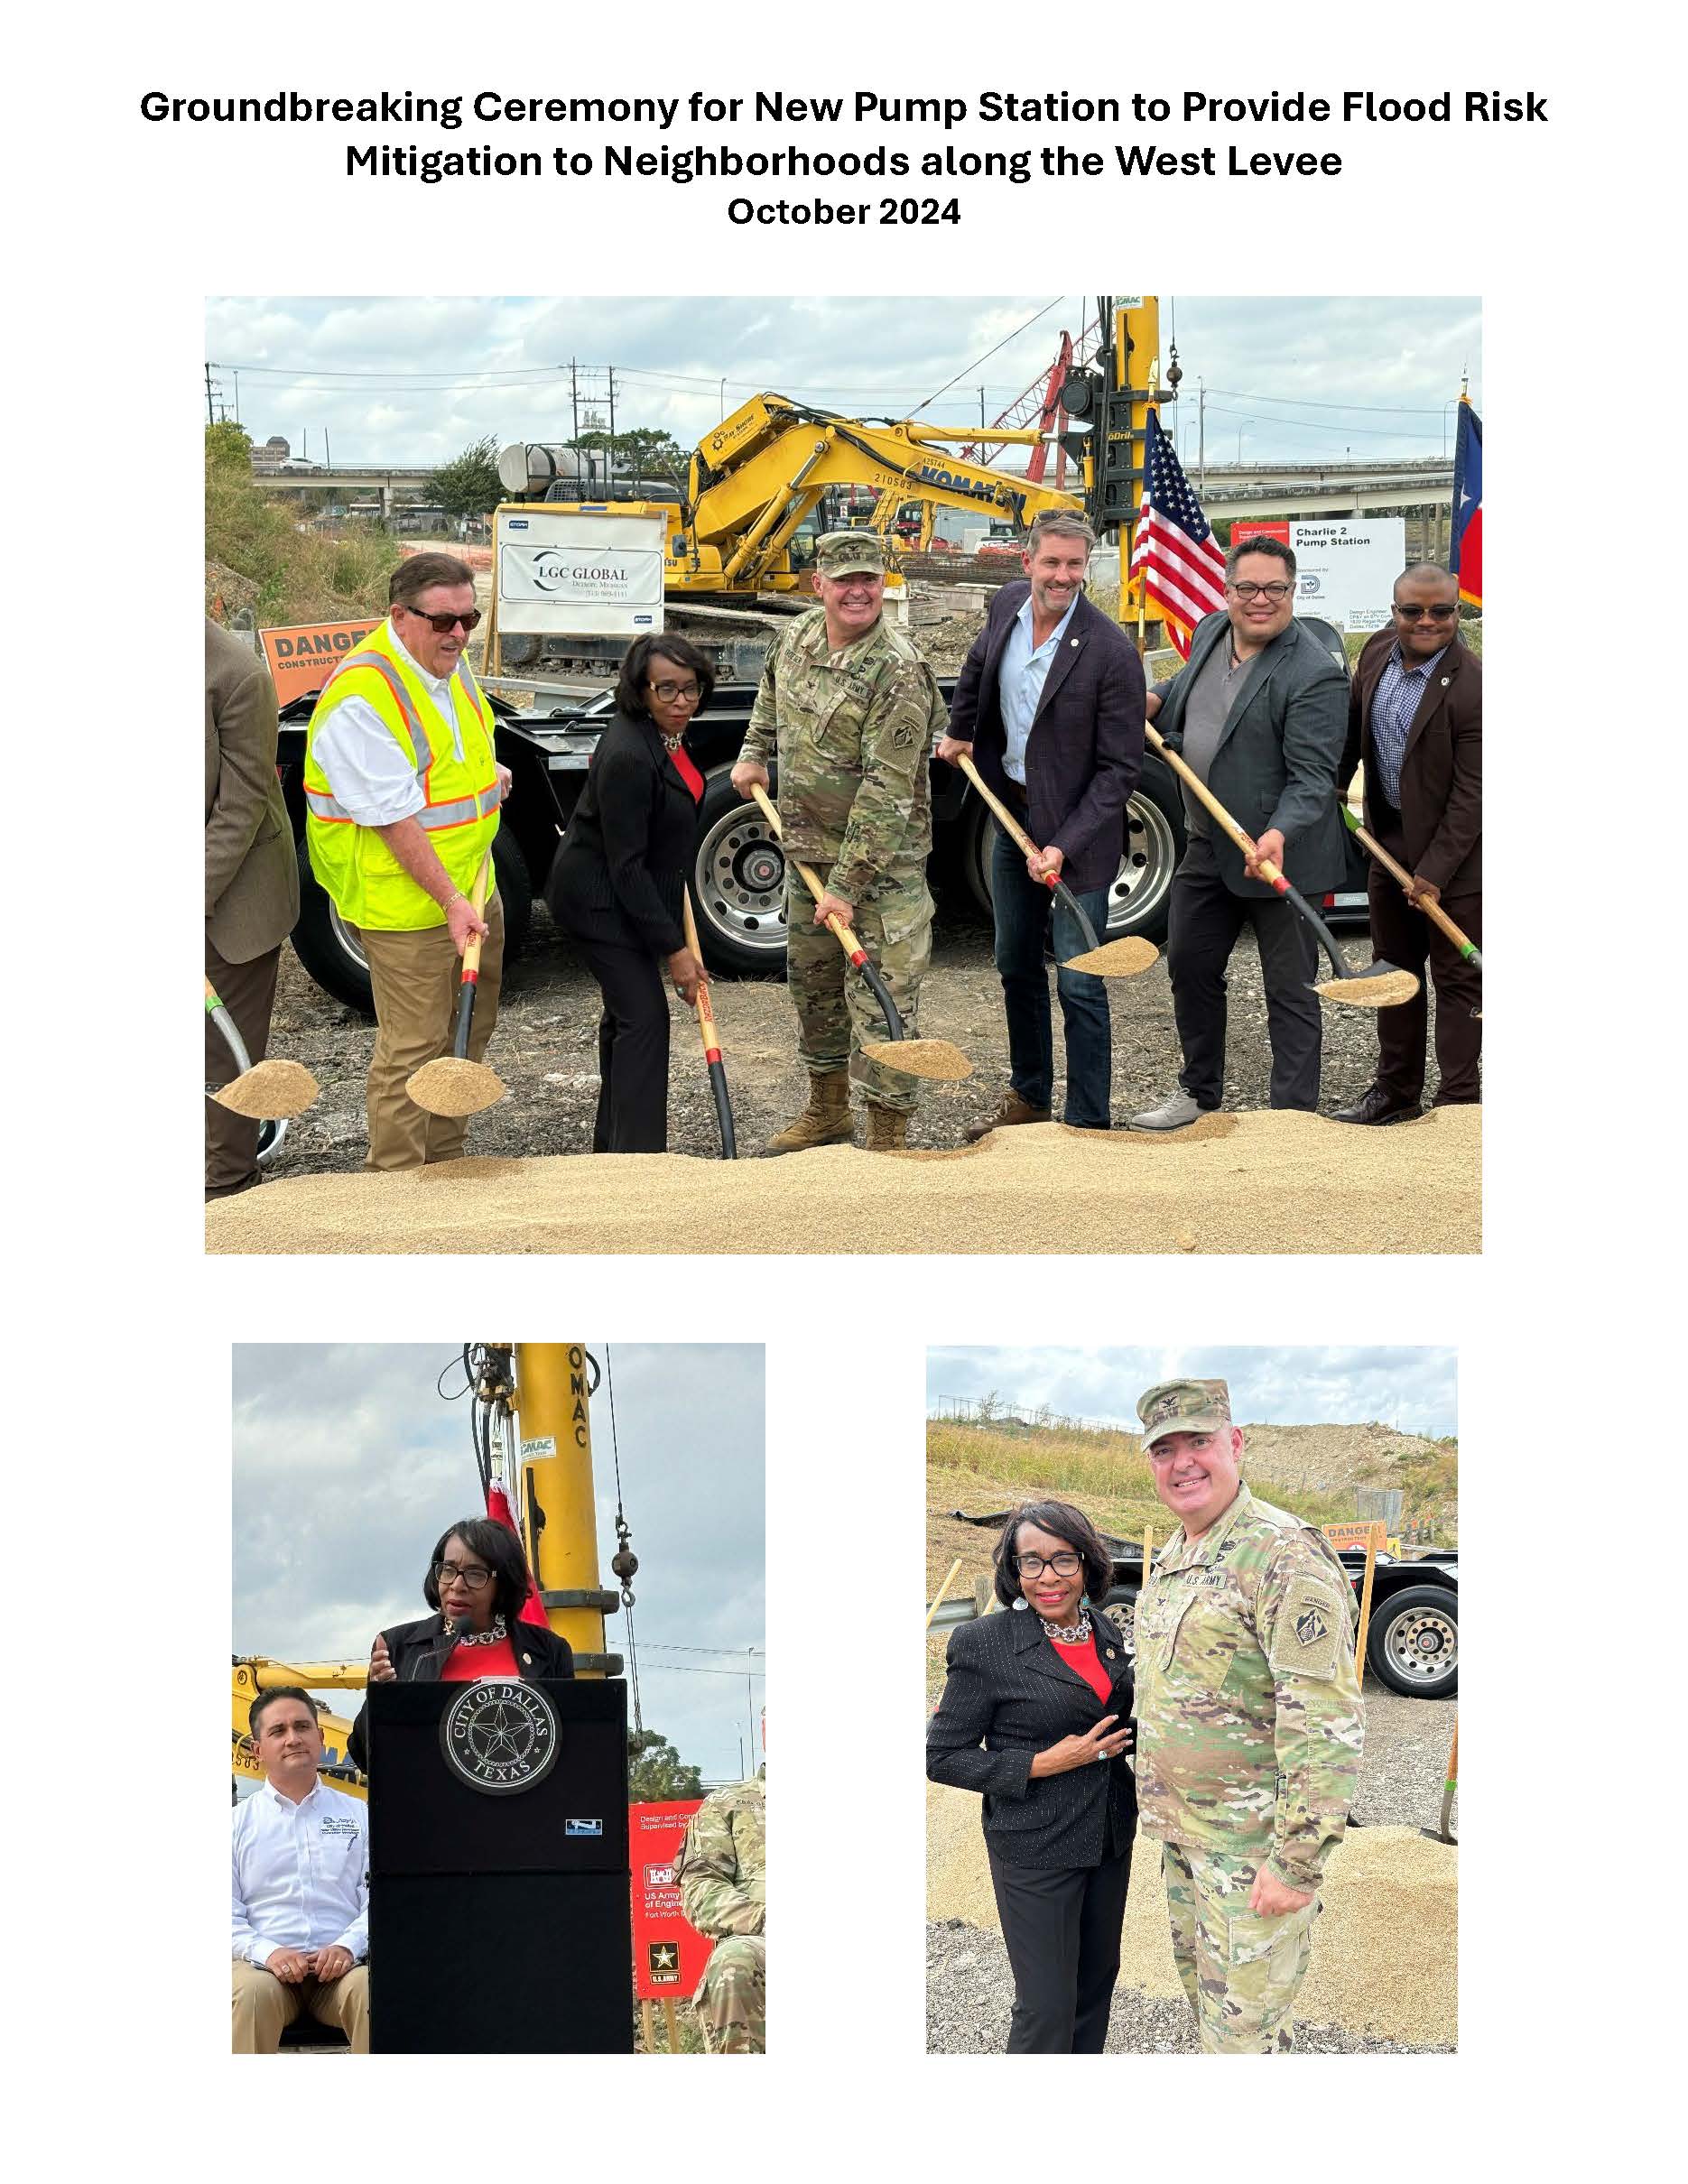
<point>1415,720</point>
<point>251,885</point>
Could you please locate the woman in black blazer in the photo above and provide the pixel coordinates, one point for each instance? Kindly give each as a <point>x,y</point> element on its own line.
<point>477,1583</point>
<point>616,882</point>
<point>1024,1720</point>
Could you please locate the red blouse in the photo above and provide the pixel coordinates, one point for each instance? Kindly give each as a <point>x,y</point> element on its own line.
<point>681,761</point>
<point>1087,1662</point>
<point>475,1664</point>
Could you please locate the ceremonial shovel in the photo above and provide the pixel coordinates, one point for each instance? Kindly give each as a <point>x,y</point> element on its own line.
<point>1433,910</point>
<point>1381,986</point>
<point>1121,958</point>
<point>264,1091</point>
<point>451,1084</point>
<point>712,1041</point>
<point>914,1057</point>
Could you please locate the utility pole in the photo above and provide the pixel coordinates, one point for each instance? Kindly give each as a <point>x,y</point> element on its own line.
<point>981,414</point>
<point>327,460</point>
<point>236,393</point>
<point>1201,435</point>
<point>611,492</point>
<point>750,1711</point>
<point>210,412</point>
<point>574,395</point>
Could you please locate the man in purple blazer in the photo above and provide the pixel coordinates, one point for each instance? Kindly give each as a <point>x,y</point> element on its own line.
<point>1050,706</point>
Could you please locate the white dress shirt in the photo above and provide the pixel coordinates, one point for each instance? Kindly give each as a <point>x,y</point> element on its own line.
<point>365,767</point>
<point>301,1873</point>
<point>1020,682</point>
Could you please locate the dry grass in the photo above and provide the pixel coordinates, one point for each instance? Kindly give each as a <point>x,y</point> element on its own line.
<point>283,574</point>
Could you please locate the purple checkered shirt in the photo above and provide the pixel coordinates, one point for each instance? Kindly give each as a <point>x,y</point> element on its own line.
<point>1399,691</point>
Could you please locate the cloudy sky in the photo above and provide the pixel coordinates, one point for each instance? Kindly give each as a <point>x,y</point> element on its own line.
<point>348,1466</point>
<point>1413,1390</point>
<point>413,380</point>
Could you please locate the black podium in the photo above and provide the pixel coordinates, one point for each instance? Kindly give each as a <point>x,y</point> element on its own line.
<point>499,1913</point>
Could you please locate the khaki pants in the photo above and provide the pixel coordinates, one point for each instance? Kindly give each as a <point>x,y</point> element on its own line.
<point>416,977</point>
<point>247,990</point>
<point>265,2007</point>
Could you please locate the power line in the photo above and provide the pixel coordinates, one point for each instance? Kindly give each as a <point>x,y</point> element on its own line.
<point>1003,344</point>
<point>1291,401</point>
<point>1296,424</point>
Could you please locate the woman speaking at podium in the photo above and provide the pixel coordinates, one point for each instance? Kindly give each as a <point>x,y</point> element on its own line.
<point>477,1583</point>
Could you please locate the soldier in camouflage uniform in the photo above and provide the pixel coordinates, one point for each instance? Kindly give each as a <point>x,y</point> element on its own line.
<point>1249,1722</point>
<point>851,712</point>
<point>722,1872</point>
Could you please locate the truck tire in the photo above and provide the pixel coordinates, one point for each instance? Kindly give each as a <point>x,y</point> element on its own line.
<point>1414,1643</point>
<point>1141,895</point>
<point>330,951</point>
<point>738,883</point>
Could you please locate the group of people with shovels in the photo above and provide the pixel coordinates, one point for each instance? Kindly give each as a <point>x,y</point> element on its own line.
<point>1049,723</point>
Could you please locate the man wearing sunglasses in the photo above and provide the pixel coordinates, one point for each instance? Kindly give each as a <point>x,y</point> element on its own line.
<point>1416,722</point>
<point>402,797</point>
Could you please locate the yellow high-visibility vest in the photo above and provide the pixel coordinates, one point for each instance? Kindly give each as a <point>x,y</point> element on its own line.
<point>363,879</point>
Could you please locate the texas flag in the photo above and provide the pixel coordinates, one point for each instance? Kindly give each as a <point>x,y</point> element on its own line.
<point>1465,557</point>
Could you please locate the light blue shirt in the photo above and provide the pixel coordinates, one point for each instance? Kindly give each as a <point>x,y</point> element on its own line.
<point>1020,682</point>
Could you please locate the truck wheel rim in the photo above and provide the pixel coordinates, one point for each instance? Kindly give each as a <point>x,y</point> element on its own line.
<point>741,882</point>
<point>346,939</point>
<point>1425,1646</point>
<point>1146,870</point>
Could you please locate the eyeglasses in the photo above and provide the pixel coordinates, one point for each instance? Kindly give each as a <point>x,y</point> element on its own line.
<point>470,1575</point>
<point>1063,1565</point>
<point>443,624</point>
<point>1274,592</point>
<point>1415,614</point>
<point>669,692</point>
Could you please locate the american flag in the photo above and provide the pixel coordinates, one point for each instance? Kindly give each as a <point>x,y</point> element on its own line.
<point>1180,563</point>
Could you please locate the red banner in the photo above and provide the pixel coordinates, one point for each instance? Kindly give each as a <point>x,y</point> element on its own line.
<point>668,1955</point>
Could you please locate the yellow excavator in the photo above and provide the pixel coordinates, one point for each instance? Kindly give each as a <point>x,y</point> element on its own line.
<point>533,1434</point>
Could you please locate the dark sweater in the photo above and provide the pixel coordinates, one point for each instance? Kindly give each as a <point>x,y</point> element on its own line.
<point>619,872</point>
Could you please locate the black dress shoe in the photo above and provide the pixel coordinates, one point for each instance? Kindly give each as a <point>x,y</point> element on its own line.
<point>1375,1106</point>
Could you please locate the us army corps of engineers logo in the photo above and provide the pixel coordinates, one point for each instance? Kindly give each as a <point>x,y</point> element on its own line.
<point>500,1736</point>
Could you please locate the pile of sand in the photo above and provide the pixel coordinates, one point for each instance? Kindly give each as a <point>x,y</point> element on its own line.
<point>1271,1182</point>
<point>270,1090</point>
<point>1385,1946</point>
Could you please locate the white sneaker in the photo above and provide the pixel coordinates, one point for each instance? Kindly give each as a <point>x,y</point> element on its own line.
<point>1171,1115</point>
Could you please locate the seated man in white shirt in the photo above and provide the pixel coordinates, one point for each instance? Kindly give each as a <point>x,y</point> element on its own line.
<point>302,1888</point>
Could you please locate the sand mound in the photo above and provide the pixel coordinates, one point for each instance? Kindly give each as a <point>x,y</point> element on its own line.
<point>270,1091</point>
<point>452,1088</point>
<point>1385,1946</point>
<point>1272,1182</point>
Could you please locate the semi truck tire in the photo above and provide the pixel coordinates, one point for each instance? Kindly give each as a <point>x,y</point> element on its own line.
<point>330,951</point>
<point>738,883</point>
<point>1414,1643</point>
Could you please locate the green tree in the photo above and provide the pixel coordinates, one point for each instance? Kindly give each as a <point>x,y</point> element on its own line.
<point>643,450</point>
<point>227,447</point>
<point>470,484</point>
<point>656,1774</point>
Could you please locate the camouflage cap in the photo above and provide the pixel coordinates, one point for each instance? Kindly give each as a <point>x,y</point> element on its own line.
<point>847,553</point>
<point>1184,1406</point>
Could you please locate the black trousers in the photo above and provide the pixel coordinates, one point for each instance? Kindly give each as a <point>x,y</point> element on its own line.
<point>632,1048</point>
<point>1406,936</point>
<point>1062,1928</point>
<point>247,990</point>
<point>1206,919</point>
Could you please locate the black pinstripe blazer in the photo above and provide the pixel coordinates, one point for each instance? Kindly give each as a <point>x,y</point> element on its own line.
<point>1008,1694</point>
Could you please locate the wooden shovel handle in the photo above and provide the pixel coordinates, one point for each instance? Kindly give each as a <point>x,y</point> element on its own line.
<point>840,932</point>
<point>478,903</point>
<point>1433,910</point>
<point>706,1014</point>
<point>1267,870</point>
<point>1017,833</point>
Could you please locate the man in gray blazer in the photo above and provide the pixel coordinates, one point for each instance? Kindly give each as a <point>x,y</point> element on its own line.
<point>1259,712</point>
<point>251,885</point>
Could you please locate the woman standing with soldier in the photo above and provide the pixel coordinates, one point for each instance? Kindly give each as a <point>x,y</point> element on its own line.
<point>1035,1715</point>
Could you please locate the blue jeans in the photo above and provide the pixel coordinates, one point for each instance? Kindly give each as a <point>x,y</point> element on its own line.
<point>1023,906</point>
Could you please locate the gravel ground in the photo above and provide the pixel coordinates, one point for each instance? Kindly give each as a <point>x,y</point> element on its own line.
<point>545,1050</point>
<point>970,1989</point>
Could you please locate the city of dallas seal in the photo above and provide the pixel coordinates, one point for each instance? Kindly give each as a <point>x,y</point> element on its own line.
<point>500,1736</point>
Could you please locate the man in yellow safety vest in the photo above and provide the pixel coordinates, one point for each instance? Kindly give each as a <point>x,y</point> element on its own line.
<point>402,795</point>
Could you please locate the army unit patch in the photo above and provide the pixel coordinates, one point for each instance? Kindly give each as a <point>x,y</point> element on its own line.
<point>1309,1632</point>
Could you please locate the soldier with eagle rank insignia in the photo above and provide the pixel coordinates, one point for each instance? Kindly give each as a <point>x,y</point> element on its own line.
<point>1249,1722</point>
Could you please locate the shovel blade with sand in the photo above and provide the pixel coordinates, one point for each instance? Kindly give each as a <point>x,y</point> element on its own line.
<point>451,1084</point>
<point>933,1057</point>
<point>264,1091</point>
<point>1122,958</point>
<point>1380,986</point>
